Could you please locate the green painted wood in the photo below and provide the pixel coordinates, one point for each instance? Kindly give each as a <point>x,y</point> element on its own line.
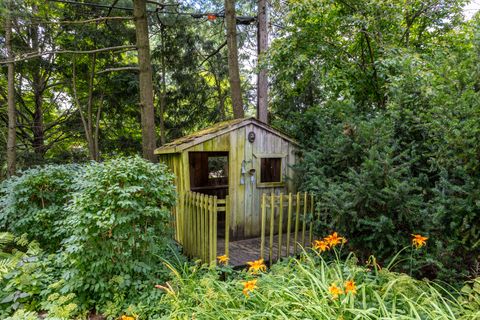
<point>190,225</point>
<point>201,230</point>
<point>196,226</point>
<point>304,222</point>
<point>310,238</point>
<point>272,227</point>
<point>280,225</point>
<point>227,223</point>
<point>178,235</point>
<point>198,245</point>
<point>215,224</point>
<point>206,233</point>
<point>187,224</point>
<point>264,214</point>
<point>289,222</point>
<point>210,231</point>
<point>185,220</point>
<point>297,221</point>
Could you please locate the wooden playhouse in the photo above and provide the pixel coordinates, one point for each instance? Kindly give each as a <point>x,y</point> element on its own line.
<point>235,162</point>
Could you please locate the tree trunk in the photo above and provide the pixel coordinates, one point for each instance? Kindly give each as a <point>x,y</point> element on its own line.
<point>38,86</point>
<point>89,122</point>
<point>262,80</point>
<point>233,69</point>
<point>91,134</point>
<point>145,79</point>
<point>12,119</point>
<point>163,94</point>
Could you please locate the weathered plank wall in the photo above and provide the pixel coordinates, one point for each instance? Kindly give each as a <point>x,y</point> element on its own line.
<point>266,145</point>
<point>245,199</point>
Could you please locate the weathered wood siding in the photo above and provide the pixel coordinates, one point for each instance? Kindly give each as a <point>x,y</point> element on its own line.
<point>266,144</point>
<point>245,199</point>
<point>173,161</point>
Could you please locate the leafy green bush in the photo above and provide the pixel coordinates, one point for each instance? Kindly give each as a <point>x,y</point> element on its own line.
<point>471,296</point>
<point>33,203</point>
<point>109,225</point>
<point>304,289</point>
<point>120,229</point>
<point>376,180</point>
<point>389,128</point>
<point>30,279</point>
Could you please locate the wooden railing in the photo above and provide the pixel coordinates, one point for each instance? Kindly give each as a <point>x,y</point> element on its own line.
<point>197,225</point>
<point>290,215</point>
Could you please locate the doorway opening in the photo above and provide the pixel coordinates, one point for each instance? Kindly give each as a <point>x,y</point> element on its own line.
<point>209,175</point>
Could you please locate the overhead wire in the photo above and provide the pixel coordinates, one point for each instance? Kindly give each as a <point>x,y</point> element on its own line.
<point>195,15</point>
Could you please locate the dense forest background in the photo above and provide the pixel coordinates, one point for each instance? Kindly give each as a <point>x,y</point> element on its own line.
<point>383,95</point>
<point>65,99</point>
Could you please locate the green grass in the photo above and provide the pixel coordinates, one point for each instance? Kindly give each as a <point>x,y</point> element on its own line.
<point>298,289</point>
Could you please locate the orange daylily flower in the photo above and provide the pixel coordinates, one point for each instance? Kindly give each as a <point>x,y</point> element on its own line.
<point>249,286</point>
<point>418,241</point>
<point>350,287</point>
<point>127,318</point>
<point>335,291</point>
<point>223,259</point>
<point>256,266</point>
<point>334,239</point>
<point>320,245</point>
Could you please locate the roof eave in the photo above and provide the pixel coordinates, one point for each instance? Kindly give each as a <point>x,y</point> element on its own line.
<point>199,140</point>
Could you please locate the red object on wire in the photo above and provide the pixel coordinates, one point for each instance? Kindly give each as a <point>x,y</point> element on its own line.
<point>211,17</point>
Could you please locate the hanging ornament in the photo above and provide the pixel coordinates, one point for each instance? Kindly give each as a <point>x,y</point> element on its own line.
<point>211,17</point>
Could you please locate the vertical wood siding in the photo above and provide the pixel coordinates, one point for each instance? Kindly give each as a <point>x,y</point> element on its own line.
<point>245,199</point>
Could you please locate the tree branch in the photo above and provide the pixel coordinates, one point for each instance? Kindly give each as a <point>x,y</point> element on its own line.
<point>214,53</point>
<point>66,22</point>
<point>118,69</point>
<point>35,54</point>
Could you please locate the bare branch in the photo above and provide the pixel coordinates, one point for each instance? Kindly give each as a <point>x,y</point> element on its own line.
<point>89,20</point>
<point>35,54</point>
<point>118,69</point>
<point>214,53</point>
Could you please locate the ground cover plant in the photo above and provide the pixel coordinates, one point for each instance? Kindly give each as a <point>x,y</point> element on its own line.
<point>322,283</point>
<point>33,203</point>
<point>116,231</point>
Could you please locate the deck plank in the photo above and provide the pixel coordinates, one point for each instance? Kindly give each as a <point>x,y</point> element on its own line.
<point>242,251</point>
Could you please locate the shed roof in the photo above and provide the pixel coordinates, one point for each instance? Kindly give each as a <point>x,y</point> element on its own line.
<point>217,129</point>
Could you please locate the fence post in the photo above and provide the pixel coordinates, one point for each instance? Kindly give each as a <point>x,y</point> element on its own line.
<point>186,215</point>
<point>215,227</point>
<point>210,215</point>
<point>289,222</point>
<point>180,212</point>
<point>190,224</point>
<point>280,225</point>
<point>304,222</point>
<point>227,223</point>
<point>195,224</point>
<point>198,226</point>
<point>262,242</point>
<point>310,238</point>
<point>297,216</point>
<point>272,227</point>
<point>206,237</point>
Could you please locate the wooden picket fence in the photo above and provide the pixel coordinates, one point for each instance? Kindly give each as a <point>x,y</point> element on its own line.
<point>289,216</point>
<point>198,225</point>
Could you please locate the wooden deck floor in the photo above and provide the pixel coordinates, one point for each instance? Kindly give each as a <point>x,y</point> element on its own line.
<point>242,251</point>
